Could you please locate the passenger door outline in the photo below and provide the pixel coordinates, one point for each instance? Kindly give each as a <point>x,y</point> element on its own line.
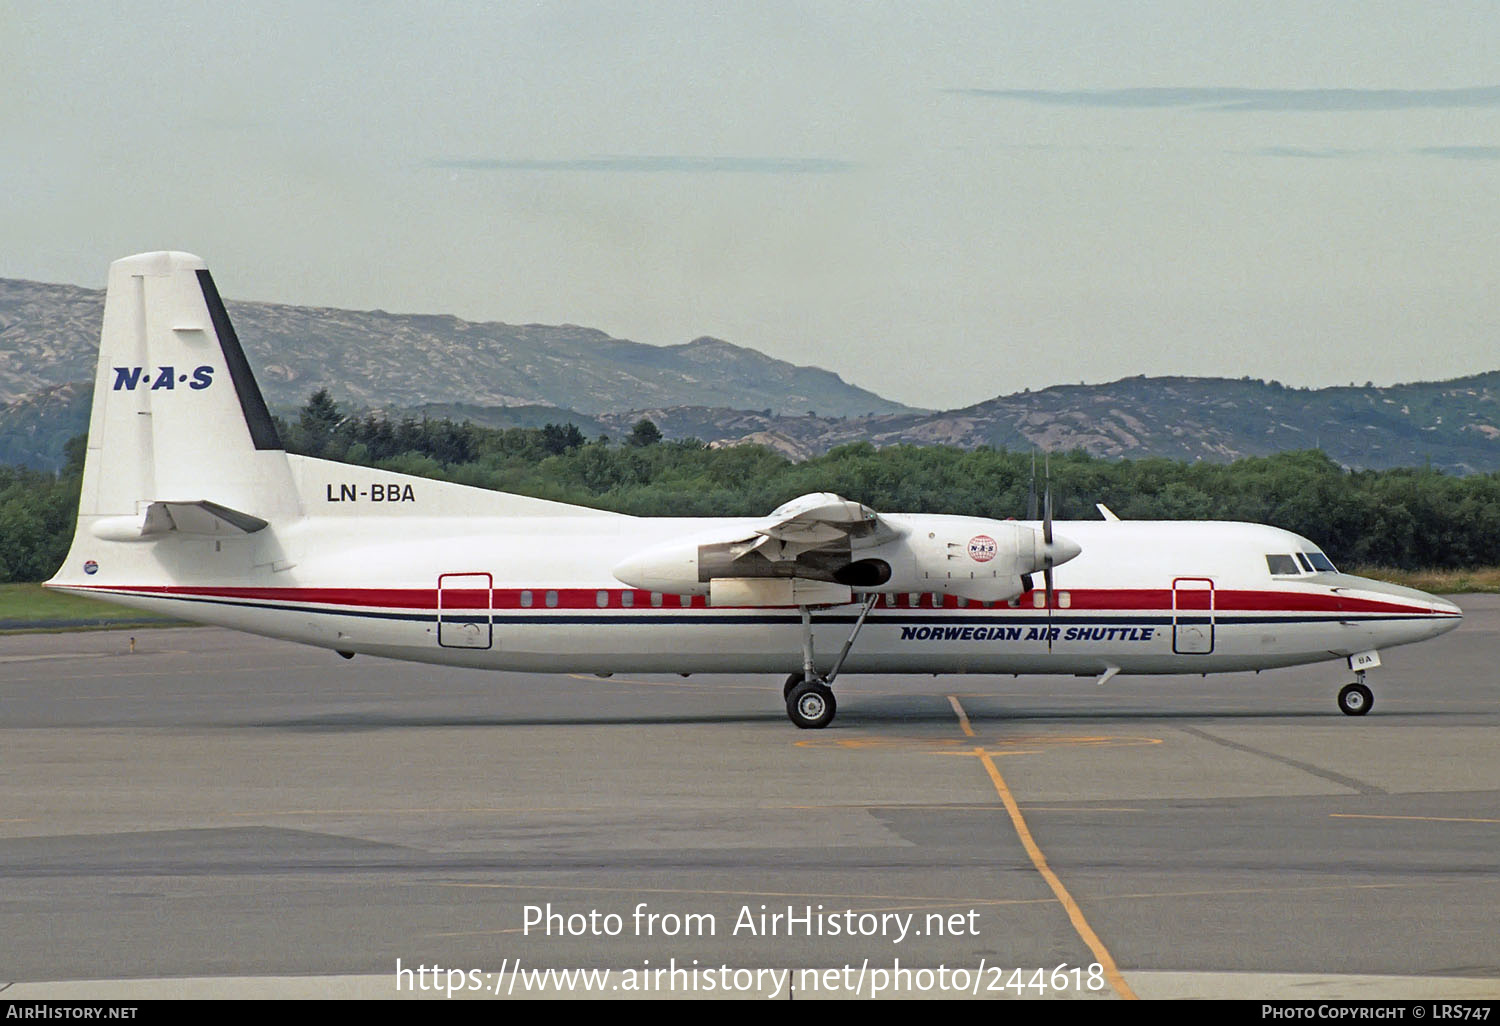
<point>1193,615</point>
<point>465,604</point>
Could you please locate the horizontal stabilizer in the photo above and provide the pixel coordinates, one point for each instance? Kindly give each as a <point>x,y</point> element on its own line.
<point>201,519</point>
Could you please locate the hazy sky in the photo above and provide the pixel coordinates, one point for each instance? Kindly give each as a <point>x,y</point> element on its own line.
<point>941,202</point>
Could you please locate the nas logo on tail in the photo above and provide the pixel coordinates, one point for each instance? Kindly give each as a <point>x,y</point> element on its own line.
<point>131,378</point>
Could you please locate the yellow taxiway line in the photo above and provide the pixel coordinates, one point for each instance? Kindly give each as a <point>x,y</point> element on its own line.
<point>1075,914</point>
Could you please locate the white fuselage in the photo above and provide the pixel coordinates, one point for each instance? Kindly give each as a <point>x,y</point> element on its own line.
<point>536,593</point>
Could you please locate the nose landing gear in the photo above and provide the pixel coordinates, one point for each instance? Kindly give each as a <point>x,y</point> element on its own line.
<point>1356,699</point>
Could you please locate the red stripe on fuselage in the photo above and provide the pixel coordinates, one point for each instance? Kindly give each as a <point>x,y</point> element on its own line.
<point>1084,599</point>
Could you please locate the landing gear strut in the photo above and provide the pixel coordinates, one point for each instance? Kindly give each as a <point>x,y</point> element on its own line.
<point>1356,699</point>
<point>809,698</point>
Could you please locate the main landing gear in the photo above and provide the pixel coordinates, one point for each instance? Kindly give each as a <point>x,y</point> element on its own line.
<point>1356,699</point>
<point>809,698</point>
<point>809,703</point>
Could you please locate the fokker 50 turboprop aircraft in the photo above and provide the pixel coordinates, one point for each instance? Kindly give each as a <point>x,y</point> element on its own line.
<point>190,507</point>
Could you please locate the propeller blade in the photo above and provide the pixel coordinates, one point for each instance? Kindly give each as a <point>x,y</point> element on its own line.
<point>1047,575</point>
<point>1031,510</point>
<point>1048,559</point>
<point>1047,515</point>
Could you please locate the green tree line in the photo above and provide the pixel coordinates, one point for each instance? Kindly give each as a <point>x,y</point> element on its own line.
<point>1408,518</point>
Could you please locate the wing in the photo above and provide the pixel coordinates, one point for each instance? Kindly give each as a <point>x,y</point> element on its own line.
<point>811,538</point>
<point>819,522</point>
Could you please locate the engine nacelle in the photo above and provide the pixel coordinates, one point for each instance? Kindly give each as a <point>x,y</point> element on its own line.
<point>687,565</point>
<point>980,560</point>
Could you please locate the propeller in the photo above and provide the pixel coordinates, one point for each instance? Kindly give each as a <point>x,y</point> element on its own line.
<point>1055,549</point>
<point>1031,514</point>
<point>1048,559</point>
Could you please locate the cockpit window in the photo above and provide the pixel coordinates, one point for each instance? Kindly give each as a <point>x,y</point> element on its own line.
<point>1302,558</point>
<point>1321,562</point>
<point>1281,564</point>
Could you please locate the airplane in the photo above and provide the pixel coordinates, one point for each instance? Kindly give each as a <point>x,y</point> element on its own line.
<point>191,507</point>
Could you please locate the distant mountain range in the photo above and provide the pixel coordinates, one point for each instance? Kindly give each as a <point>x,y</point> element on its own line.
<point>1453,425</point>
<point>50,334</point>
<point>508,375</point>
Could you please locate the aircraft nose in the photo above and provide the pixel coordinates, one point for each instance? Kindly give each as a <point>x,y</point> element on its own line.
<point>1445,615</point>
<point>1447,608</point>
<point>1438,615</point>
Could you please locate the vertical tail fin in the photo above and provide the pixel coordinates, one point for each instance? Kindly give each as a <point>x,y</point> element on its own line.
<point>177,416</point>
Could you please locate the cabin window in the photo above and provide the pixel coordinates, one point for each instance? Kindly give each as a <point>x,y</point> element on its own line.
<point>1281,565</point>
<point>1038,599</point>
<point>627,599</point>
<point>602,599</point>
<point>526,599</point>
<point>656,599</point>
<point>687,601</point>
<point>962,602</point>
<point>551,599</point>
<point>1321,562</point>
<point>1065,600</point>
